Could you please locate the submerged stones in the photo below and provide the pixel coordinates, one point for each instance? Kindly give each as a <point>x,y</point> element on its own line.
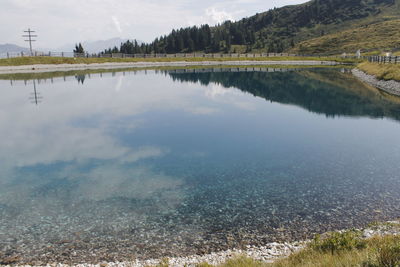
<point>214,192</point>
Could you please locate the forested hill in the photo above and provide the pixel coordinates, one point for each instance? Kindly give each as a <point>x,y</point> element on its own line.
<point>276,30</point>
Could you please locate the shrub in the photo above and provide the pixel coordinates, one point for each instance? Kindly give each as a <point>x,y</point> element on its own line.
<point>339,241</point>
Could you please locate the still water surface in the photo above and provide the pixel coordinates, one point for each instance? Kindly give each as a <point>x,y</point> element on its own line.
<point>151,163</point>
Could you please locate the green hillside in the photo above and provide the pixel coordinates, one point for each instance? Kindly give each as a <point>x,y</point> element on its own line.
<point>276,30</point>
<point>382,36</point>
<point>280,29</point>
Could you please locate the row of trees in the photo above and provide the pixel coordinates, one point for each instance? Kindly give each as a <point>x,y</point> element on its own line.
<point>197,39</point>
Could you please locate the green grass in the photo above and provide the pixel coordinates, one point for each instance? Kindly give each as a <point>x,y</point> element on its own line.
<point>378,37</point>
<point>335,250</point>
<point>381,71</point>
<point>60,60</point>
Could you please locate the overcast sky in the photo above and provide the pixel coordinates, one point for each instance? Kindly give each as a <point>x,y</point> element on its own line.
<point>59,22</point>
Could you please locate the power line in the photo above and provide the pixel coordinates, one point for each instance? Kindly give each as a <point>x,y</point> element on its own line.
<point>30,37</point>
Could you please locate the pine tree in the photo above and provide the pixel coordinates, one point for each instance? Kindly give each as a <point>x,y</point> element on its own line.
<point>79,49</point>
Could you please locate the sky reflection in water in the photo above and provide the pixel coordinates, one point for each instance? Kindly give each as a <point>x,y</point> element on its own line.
<point>170,163</point>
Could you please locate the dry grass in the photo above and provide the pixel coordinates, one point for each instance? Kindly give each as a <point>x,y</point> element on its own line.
<point>62,60</point>
<point>311,258</point>
<point>377,252</point>
<point>238,262</point>
<point>382,36</point>
<point>381,71</point>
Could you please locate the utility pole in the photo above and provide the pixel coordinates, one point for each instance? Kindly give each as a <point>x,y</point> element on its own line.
<point>30,37</point>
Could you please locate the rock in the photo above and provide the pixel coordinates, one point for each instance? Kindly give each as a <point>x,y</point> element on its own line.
<point>9,260</point>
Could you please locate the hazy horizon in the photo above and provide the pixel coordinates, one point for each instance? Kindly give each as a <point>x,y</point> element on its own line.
<point>60,23</point>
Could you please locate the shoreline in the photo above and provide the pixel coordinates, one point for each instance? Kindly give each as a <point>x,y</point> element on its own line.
<point>391,86</point>
<point>114,65</point>
<point>267,254</point>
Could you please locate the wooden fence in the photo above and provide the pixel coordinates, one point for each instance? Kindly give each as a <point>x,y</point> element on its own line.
<point>120,55</point>
<point>378,59</point>
<point>384,59</point>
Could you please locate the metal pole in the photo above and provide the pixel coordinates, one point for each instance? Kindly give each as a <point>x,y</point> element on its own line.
<point>30,37</point>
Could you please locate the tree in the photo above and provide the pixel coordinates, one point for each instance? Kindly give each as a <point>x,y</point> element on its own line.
<point>79,49</point>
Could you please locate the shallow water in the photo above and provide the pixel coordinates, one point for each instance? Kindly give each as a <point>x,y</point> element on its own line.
<point>115,166</point>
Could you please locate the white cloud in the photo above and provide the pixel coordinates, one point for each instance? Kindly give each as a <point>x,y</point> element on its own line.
<point>117,24</point>
<point>218,16</point>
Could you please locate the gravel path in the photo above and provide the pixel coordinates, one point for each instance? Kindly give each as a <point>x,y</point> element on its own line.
<point>67,67</point>
<point>391,87</point>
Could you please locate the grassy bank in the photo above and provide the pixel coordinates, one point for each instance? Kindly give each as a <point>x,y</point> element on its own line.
<point>62,60</point>
<point>381,71</point>
<point>334,250</point>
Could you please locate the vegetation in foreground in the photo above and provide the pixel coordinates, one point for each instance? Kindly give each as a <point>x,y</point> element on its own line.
<point>334,249</point>
<point>381,71</point>
<point>81,60</point>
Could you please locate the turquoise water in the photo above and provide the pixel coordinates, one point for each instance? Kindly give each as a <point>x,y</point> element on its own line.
<point>114,166</point>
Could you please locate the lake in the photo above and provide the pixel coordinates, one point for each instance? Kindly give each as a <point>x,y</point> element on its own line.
<point>145,164</point>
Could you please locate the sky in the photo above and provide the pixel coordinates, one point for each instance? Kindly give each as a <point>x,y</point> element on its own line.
<point>61,22</point>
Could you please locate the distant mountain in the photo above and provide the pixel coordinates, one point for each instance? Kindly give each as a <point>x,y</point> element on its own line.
<point>279,29</point>
<point>12,48</point>
<point>94,46</point>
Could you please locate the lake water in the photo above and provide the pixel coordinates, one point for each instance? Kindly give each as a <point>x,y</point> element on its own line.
<point>115,166</point>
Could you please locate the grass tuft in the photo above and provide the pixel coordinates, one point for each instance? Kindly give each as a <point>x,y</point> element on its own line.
<point>381,71</point>
<point>339,249</point>
<point>339,241</point>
